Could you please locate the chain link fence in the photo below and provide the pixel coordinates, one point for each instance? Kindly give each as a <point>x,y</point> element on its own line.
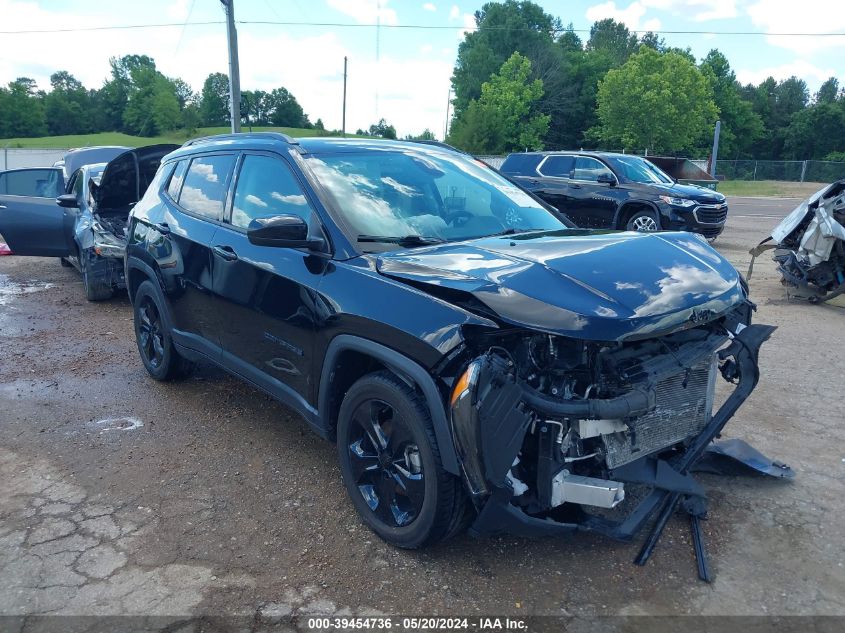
<point>789,170</point>
<point>784,170</point>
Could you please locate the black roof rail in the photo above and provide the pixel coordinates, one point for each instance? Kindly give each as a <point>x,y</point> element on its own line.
<point>242,135</point>
<point>439,144</point>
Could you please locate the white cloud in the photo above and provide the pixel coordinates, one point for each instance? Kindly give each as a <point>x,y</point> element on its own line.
<point>631,16</point>
<point>428,6</point>
<point>811,16</point>
<point>812,74</point>
<point>365,11</point>
<point>425,49</point>
<point>454,12</point>
<point>179,9</point>
<point>411,87</point>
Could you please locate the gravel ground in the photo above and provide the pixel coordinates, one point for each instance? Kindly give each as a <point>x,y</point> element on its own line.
<point>122,496</point>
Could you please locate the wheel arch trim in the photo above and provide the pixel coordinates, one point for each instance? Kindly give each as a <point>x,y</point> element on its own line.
<point>407,370</point>
<point>636,202</point>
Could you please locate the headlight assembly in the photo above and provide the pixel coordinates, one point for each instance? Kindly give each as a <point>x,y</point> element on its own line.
<point>678,202</point>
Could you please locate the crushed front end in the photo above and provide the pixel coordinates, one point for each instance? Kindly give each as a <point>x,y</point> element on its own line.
<point>552,432</point>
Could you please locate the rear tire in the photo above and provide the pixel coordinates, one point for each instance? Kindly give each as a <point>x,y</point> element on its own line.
<point>65,263</point>
<point>642,221</point>
<point>391,465</point>
<point>152,334</point>
<point>95,289</point>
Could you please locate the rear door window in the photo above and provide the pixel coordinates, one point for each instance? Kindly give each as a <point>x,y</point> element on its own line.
<point>558,166</point>
<point>588,169</point>
<point>206,184</point>
<point>32,183</point>
<point>267,187</point>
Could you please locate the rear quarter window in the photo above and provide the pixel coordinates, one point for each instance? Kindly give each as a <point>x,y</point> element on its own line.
<point>521,164</point>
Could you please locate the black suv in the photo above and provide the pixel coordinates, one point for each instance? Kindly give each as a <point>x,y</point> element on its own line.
<point>476,359</point>
<point>617,191</point>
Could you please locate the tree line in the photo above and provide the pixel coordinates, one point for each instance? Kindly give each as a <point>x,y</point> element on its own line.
<point>524,81</point>
<point>137,99</point>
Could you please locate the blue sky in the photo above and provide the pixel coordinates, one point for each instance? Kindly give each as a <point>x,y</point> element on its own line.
<point>408,84</point>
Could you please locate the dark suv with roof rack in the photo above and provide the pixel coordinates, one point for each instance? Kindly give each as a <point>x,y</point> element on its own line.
<point>617,191</point>
<point>476,358</point>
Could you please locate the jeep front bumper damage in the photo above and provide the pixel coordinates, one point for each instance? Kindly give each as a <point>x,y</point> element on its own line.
<point>491,415</point>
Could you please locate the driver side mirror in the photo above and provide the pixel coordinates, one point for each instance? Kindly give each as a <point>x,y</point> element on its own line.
<point>606,178</point>
<point>286,231</point>
<point>68,201</point>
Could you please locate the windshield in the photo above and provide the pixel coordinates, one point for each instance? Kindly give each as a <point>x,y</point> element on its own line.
<point>638,169</point>
<point>440,196</point>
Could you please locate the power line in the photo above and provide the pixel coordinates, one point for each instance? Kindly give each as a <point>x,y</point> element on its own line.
<point>397,26</point>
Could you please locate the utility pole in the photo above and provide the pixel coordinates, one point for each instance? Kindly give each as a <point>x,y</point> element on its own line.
<point>715,149</point>
<point>343,127</point>
<point>234,68</point>
<point>448,103</point>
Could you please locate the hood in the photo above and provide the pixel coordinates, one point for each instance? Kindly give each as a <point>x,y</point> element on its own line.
<point>595,285</point>
<point>678,190</point>
<point>127,176</point>
<point>76,158</point>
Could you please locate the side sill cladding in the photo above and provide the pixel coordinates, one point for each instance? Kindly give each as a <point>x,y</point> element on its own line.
<point>405,368</point>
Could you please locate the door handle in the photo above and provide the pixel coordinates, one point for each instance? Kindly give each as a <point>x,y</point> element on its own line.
<point>2,206</point>
<point>162,228</point>
<point>225,252</point>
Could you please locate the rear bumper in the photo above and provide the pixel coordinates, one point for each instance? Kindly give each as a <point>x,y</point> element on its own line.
<point>489,429</point>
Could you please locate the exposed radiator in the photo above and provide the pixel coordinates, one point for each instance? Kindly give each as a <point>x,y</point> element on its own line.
<point>680,413</point>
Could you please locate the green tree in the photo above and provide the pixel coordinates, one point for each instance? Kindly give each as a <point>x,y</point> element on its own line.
<point>425,135</point>
<point>113,97</point>
<point>214,100</point>
<point>503,28</point>
<point>22,109</point>
<point>382,129</point>
<point>153,106</point>
<point>284,110</point>
<point>613,38</point>
<point>741,126</point>
<point>829,91</point>
<point>816,132</point>
<point>505,117</point>
<point>67,107</point>
<point>661,102</point>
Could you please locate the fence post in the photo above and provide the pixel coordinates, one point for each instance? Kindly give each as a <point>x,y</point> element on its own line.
<point>803,170</point>
<point>754,177</point>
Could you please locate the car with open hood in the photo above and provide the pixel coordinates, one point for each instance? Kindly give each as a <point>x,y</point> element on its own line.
<point>83,221</point>
<point>477,360</point>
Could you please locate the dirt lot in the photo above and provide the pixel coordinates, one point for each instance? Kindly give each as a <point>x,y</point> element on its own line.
<point>124,496</point>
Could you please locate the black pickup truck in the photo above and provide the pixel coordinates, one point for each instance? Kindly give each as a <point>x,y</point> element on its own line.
<point>617,191</point>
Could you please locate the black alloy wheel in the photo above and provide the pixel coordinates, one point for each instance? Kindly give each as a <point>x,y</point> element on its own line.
<point>391,466</point>
<point>150,333</point>
<point>386,463</point>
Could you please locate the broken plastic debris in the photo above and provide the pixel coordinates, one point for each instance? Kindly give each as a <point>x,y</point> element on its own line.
<point>120,424</point>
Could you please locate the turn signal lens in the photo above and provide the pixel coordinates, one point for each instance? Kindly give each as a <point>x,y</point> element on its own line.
<point>463,383</point>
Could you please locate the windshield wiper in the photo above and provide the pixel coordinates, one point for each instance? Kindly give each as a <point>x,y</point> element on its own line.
<point>402,240</point>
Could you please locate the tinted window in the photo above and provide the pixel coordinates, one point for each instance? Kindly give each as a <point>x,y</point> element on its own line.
<point>36,183</point>
<point>176,180</point>
<point>204,190</point>
<point>589,169</point>
<point>521,164</point>
<point>560,166</point>
<point>77,183</point>
<point>266,187</point>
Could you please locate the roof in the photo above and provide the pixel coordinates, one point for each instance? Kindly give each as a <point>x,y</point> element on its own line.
<point>578,152</point>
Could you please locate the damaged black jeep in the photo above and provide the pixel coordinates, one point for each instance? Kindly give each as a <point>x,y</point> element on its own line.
<point>479,361</point>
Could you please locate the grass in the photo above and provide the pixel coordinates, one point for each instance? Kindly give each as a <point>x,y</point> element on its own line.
<point>117,138</point>
<point>769,188</point>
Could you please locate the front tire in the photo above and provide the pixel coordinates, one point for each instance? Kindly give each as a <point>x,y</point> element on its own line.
<point>642,221</point>
<point>391,464</point>
<point>152,334</point>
